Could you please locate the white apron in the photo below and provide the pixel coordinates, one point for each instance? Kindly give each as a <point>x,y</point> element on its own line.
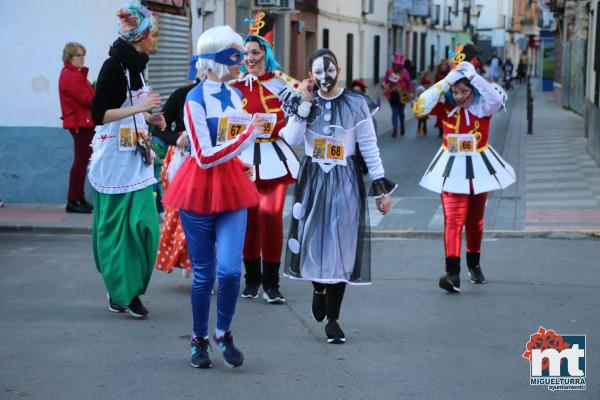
<point>115,166</point>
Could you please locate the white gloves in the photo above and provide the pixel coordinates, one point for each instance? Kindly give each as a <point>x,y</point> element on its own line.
<point>467,69</point>
<point>454,76</point>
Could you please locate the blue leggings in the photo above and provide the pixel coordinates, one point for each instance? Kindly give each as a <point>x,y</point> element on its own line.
<point>202,232</point>
<point>397,113</point>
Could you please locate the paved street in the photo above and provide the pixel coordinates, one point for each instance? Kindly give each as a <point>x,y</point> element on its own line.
<point>406,338</point>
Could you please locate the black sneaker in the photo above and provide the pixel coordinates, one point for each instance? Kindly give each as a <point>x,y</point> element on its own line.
<point>451,283</point>
<point>75,207</point>
<point>273,296</point>
<point>476,275</point>
<point>319,306</point>
<point>232,356</point>
<point>250,292</point>
<point>136,309</point>
<point>113,307</point>
<point>86,204</point>
<point>335,334</point>
<point>199,348</point>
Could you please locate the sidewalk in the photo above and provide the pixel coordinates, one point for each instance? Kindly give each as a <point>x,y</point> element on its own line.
<point>562,180</point>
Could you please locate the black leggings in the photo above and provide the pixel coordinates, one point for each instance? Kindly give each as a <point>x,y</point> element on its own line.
<point>335,295</point>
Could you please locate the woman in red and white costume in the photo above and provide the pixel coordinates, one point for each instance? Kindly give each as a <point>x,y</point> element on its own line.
<point>275,163</point>
<point>466,167</point>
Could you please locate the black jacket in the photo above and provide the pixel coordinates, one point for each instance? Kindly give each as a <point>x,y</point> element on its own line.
<point>111,87</point>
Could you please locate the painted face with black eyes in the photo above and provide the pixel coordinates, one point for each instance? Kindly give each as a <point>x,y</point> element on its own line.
<point>325,73</point>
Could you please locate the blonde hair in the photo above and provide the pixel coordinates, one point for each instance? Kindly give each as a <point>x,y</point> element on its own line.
<point>214,40</point>
<point>70,50</point>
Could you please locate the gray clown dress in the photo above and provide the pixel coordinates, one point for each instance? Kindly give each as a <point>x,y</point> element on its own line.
<point>329,238</point>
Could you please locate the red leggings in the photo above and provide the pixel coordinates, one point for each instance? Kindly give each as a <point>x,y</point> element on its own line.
<point>83,151</point>
<point>463,210</point>
<point>264,231</point>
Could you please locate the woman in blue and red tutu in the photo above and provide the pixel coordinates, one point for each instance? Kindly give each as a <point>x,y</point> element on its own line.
<point>213,192</point>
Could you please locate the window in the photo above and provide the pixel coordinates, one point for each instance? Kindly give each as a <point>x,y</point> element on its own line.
<point>431,56</point>
<point>349,57</point>
<point>325,38</point>
<point>448,14</point>
<point>376,59</point>
<point>455,7</point>
<point>414,49</point>
<point>438,9</point>
<point>423,51</point>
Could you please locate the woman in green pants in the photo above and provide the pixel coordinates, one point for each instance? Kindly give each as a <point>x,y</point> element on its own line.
<point>125,221</point>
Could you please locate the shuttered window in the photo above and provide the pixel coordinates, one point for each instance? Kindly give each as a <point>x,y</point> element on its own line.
<point>168,68</point>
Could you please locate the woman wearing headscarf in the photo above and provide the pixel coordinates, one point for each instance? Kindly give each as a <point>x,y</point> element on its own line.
<point>125,220</point>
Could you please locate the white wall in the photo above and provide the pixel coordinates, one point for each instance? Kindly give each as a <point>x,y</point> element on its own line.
<point>34,33</point>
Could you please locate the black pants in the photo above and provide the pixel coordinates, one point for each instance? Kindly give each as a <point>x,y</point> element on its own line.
<point>335,295</point>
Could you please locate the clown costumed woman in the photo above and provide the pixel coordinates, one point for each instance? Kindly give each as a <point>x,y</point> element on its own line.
<point>125,220</point>
<point>466,167</point>
<point>329,240</point>
<point>275,163</point>
<point>213,192</point>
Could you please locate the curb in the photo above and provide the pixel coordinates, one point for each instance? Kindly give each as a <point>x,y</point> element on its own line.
<point>404,234</point>
<point>63,230</point>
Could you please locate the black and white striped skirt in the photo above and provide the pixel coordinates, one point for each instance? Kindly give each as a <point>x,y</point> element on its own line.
<point>485,170</point>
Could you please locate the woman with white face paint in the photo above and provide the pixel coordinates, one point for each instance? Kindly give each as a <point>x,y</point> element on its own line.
<point>329,235</point>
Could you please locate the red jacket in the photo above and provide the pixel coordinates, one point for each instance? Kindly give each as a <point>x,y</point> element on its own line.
<point>76,95</point>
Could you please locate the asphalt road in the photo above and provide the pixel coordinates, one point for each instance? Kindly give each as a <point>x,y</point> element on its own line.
<point>406,338</point>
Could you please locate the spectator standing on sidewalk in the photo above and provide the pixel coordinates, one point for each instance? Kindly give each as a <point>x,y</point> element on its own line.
<point>125,220</point>
<point>76,94</point>
<point>466,167</point>
<point>398,88</point>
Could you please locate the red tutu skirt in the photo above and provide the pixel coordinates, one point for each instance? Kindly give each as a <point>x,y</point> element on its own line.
<point>222,188</point>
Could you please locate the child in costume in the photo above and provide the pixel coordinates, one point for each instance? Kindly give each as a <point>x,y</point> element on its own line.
<point>213,192</point>
<point>275,163</point>
<point>466,167</point>
<point>329,241</point>
<point>125,220</point>
<point>424,83</point>
<point>398,90</point>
